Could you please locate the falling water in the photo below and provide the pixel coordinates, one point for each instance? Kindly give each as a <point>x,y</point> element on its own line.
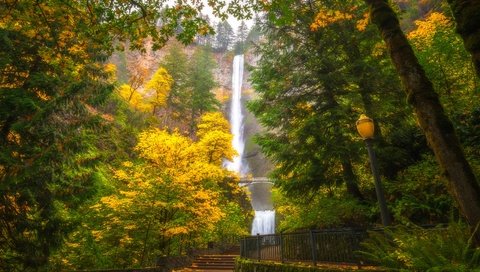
<point>236,119</point>
<point>264,220</point>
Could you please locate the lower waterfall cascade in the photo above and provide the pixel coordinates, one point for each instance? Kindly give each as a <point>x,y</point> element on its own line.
<point>264,222</point>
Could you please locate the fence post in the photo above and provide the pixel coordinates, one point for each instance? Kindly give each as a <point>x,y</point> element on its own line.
<point>314,248</point>
<point>258,246</point>
<point>242,247</point>
<point>281,248</point>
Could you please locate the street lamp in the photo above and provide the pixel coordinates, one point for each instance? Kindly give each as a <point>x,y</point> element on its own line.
<point>366,129</point>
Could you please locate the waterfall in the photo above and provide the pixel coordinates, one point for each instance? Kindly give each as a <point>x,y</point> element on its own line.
<point>236,119</point>
<point>264,220</point>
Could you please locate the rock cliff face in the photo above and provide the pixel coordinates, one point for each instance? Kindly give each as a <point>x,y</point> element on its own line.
<point>149,59</point>
<point>260,166</point>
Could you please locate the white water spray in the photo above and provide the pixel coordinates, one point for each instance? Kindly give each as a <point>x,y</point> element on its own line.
<point>264,220</point>
<point>236,119</point>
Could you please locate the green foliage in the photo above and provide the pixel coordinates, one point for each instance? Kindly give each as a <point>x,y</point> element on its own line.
<point>241,39</point>
<point>201,84</point>
<point>234,224</point>
<point>310,100</point>
<point>248,265</point>
<point>413,248</point>
<point>224,38</point>
<point>321,211</point>
<point>191,93</point>
<point>419,194</point>
<point>50,91</point>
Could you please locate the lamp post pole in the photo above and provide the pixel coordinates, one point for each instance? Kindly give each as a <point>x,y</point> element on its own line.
<point>366,129</point>
<point>378,185</point>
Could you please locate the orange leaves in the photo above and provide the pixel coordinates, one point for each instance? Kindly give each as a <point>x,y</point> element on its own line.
<point>214,138</point>
<point>175,152</point>
<point>178,175</point>
<point>176,231</point>
<point>362,23</point>
<point>14,137</point>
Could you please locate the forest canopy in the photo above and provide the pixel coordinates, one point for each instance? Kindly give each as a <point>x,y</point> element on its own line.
<point>105,165</point>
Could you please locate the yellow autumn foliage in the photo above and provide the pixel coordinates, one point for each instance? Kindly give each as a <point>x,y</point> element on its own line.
<point>211,121</point>
<point>167,150</point>
<point>426,29</point>
<point>134,98</point>
<point>175,188</point>
<point>327,17</point>
<point>159,87</point>
<point>363,22</point>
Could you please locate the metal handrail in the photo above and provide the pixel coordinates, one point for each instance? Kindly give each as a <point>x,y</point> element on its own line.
<point>332,246</point>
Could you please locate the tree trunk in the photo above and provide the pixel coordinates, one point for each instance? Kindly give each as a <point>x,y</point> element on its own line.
<point>351,181</point>
<point>467,17</point>
<point>435,124</point>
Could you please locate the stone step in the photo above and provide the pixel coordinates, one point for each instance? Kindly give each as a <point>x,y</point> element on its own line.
<point>213,263</point>
<point>199,264</point>
<point>205,270</point>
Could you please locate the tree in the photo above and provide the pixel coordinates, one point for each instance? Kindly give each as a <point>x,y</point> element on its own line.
<point>467,16</point>
<point>165,200</point>
<point>50,89</point>
<point>201,82</point>
<point>255,32</point>
<point>241,38</point>
<point>134,98</point>
<point>205,36</point>
<point>176,63</point>
<point>309,100</point>
<point>435,124</point>
<point>52,82</point>
<point>224,36</point>
<point>159,87</point>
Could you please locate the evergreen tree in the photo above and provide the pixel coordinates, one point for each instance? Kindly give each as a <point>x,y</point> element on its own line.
<point>310,100</point>
<point>191,92</point>
<point>176,64</point>
<point>201,83</point>
<point>241,38</point>
<point>205,37</point>
<point>255,32</point>
<point>50,90</point>
<point>224,36</point>
<point>432,119</point>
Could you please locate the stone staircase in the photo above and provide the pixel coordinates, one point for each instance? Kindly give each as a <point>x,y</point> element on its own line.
<point>212,263</point>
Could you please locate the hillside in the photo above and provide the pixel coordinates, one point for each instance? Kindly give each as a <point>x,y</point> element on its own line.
<point>129,62</point>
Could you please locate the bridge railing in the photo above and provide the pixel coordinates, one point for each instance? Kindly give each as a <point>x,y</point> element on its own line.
<point>332,246</point>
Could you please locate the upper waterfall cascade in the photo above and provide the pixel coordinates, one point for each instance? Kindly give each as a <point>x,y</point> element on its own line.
<point>236,119</point>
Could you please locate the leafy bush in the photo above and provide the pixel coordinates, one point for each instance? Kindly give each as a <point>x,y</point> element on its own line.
<point>404,248</point>
<point>242,265</point>
<point>318,212</point>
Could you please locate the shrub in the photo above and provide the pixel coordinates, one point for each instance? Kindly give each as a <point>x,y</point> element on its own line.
<point>243,265</point>
<point>404,248</point>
